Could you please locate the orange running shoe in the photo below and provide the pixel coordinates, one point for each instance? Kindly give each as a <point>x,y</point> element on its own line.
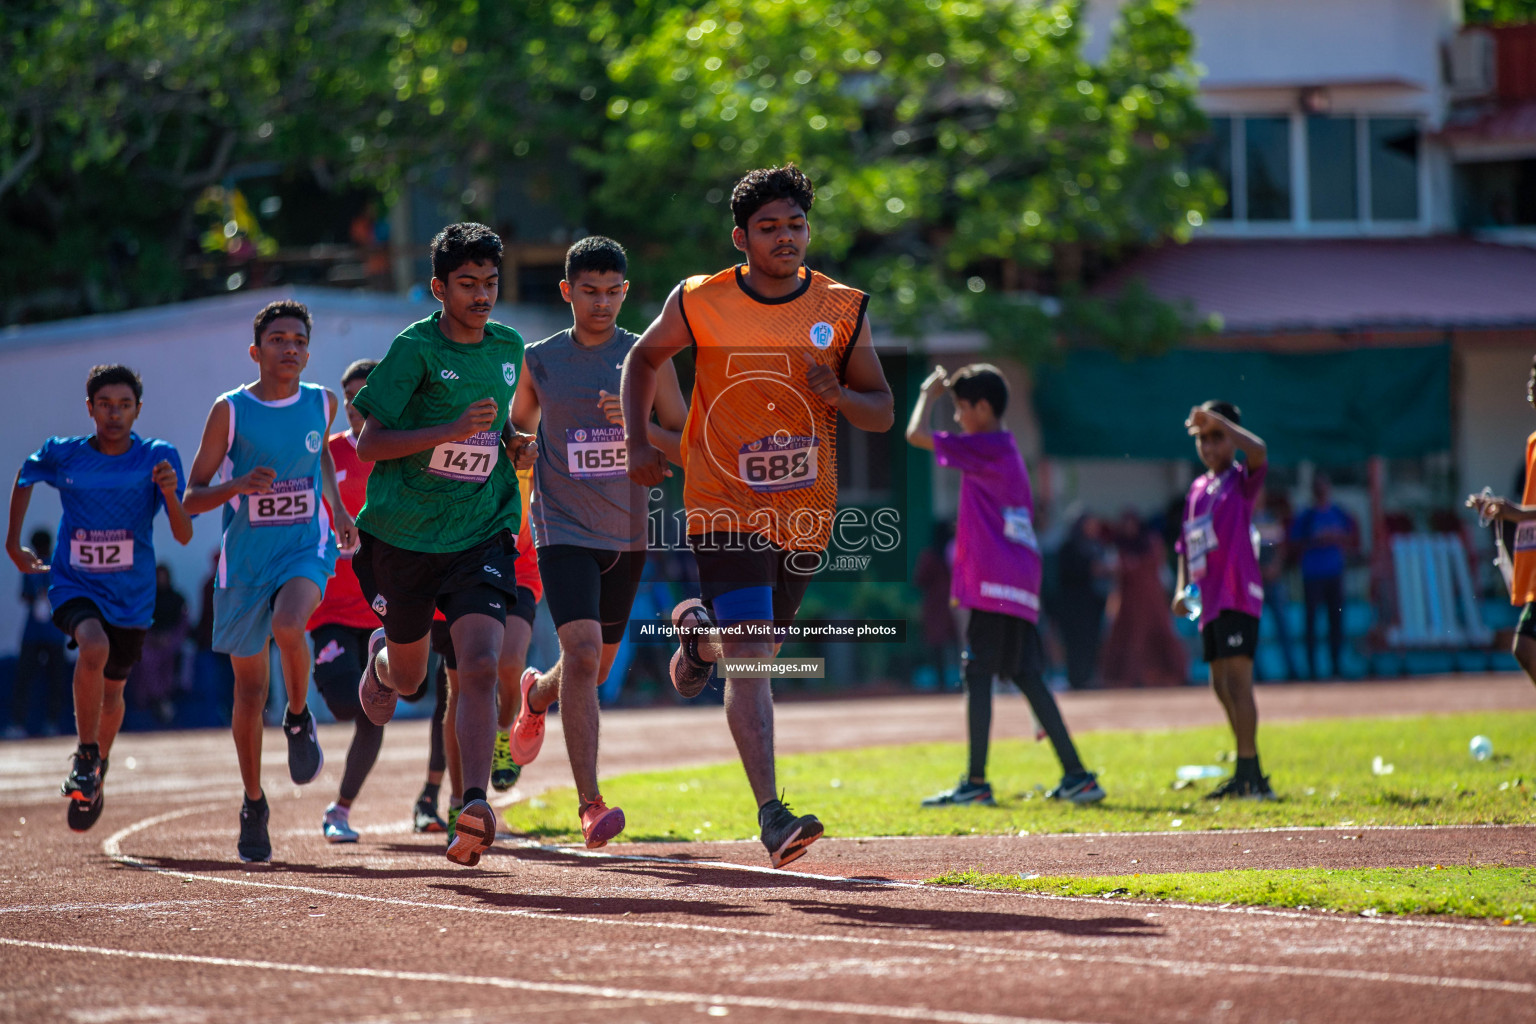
<point>600,823</point>
<point>528,726</point>
<point>473,833</point>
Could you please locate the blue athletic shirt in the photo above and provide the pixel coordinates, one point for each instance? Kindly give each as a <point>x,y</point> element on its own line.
<point>265,535</point>
<point>106,548</point>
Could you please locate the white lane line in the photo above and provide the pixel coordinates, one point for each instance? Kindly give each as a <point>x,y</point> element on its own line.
<point>559,988</point>
<point>112,846</point>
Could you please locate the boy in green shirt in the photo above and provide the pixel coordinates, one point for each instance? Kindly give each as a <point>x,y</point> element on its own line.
<point>439,524</point>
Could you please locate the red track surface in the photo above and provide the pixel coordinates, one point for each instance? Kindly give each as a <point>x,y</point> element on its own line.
<point>150,917</point>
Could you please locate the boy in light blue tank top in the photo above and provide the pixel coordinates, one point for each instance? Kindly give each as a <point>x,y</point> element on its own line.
<point>267,442</point>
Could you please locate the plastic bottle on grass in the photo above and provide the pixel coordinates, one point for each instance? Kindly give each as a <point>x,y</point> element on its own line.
<point>1481,748</point>
<point>1193,772</point>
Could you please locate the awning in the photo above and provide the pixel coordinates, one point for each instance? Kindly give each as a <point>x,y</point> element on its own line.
<point>1331,408</point>
<point>1276,286</point>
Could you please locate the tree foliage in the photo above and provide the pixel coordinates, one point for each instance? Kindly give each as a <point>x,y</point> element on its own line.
<point>956,145</point>
<point>944,137</point>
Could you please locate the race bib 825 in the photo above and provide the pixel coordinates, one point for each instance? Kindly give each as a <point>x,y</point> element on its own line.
<point>289,503</point>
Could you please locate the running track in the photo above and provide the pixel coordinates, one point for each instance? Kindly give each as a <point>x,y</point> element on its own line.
<point>149,917</point>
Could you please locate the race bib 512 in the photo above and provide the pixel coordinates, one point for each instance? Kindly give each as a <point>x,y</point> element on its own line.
<point>595,453</point>
<point>471,459</point>
<point>101,550</point>
<point>289,503</point>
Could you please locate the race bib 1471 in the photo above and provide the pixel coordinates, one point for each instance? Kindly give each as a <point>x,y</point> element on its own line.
<point>595,453</point>
<point>471,459</point>
<point>288,503</point>
<point>101,550</point>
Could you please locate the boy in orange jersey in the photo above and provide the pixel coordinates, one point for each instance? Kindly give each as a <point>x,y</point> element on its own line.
<point>781,351</point>
<point>1522,589</point>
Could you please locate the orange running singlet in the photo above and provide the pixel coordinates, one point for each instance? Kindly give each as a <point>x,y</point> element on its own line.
<point>1524,590</point>
<point>759,448</point>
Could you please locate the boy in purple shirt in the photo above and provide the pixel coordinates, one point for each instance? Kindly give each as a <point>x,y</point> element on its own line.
<point>1216,553</point>
<point>996,575</point>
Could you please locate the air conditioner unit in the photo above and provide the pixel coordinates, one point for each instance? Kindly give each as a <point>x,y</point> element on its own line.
<point>1469,64</point>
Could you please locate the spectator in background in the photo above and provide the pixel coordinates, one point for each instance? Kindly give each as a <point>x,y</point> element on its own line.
<point>1324,534</point>
<point>155,680</point>
<point>1085,576</point>
<point>1143,648</point>
<point>1272,519</point>
<point>941,638</point>
<point>42,651</point>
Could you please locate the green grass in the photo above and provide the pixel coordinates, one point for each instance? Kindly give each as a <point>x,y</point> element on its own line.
<point>1321,769</point>
<point>1502,893</point>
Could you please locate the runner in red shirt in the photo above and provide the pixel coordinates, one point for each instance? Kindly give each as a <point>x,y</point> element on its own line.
<point>340,628</point>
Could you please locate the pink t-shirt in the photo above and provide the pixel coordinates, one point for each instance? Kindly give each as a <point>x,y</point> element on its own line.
<point>997,559</point>
<point>1217,541</point>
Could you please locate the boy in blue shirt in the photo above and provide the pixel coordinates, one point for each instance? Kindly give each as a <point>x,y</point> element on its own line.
<point>111,484</point>
<point>267,440</point>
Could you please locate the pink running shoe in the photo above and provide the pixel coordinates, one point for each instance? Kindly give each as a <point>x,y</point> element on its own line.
<point>378,700</point>
<point>600,823</point>
<point>528,726</point>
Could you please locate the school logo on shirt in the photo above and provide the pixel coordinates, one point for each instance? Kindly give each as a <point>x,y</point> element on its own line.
<point>312,441</point>
<point>821,334</point>
<point>448,375</point>
<point>509,373</point>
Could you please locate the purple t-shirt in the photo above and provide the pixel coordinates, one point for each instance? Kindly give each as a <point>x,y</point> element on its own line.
<point>997,559</point>
<point>1217,541</point>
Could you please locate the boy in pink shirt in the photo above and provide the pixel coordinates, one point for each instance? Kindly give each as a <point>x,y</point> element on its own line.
<point>1216,554</point>
<point>996,575</point>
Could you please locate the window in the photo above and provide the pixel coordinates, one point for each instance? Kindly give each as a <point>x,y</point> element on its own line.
<point>1358,170</point>
<point>1332,175</point>
<point>1267,152</point>
<point>1214,153</point>
<point>1394,149</point>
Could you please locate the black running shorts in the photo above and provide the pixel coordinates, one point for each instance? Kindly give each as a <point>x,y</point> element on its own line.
<point>1002,645</point>
<point>405,588</point>
<point>730,561</point>
<point>124,645</point>
<point>442,640</point>
<point>1230,635</point>
<point>588,583</point>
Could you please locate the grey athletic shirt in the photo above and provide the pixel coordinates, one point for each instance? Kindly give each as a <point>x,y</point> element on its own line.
<point>581,494</point>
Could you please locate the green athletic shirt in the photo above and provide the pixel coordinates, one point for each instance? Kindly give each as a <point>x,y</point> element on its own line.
<point>455,496</point>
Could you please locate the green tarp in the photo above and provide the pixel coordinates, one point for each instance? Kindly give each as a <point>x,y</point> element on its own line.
<point>1329,407</point>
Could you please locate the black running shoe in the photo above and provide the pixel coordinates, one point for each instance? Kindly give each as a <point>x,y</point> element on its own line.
<point>84,777</point>
<point>81,816</point>
<point>305,758</point>
<point>1240,788</point>
<point>965,792</point>
<point>690,670</point>
<point>424,816</point>
<point>785,835</point>
<point>254,846</point>
<point>1082,788</point>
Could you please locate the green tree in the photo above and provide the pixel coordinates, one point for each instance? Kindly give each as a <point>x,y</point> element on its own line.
<point>1498,12</point>
<point>950,141</point>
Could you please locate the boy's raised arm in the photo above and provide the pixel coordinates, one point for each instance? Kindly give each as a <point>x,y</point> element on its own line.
<point>919,434</point>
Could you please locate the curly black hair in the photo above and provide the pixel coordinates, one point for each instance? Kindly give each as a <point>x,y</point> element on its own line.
<point>101,376</point>
<point>458,244</point>
<point>281,308</point>
<point>597,254</point>
<point>760,187</point>
<point>1232,413</point>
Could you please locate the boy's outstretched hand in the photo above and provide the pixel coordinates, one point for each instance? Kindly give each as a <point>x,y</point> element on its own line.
<point>935,382</point>
<point>26,560</point>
